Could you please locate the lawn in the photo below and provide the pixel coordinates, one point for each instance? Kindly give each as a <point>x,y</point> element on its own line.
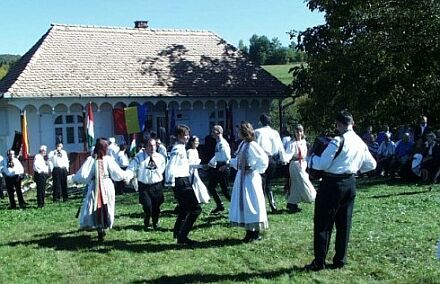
<point>281,72</point>
<point>396,227</point>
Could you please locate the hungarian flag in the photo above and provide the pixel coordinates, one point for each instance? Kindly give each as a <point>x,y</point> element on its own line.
<point>133,147</point>
<point>25,139</point>
<point>90,135</point>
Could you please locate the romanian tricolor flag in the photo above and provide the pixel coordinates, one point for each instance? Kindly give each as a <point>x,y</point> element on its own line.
<point>25,138</point>
<point>130,120</point>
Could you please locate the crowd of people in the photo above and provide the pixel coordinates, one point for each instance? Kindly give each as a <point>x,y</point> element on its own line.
<point>254,159</point>
<point>410,153</point>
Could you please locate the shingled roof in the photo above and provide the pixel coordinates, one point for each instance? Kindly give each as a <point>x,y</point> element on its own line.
<point>89,61</point>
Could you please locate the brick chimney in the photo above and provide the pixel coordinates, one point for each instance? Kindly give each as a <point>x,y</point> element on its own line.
<point>141,24</point>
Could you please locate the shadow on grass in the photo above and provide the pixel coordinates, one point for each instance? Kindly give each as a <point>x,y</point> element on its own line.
<point>88,242</point>
<point>399,194</point>
<point>208,278</point>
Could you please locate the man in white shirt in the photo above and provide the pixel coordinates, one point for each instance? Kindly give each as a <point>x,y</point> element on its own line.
<point>219,171</point>
<point>337,190</point>
<point>13,173</point>
<point>177,176</point>
<point>269,139</point>
<point>113,148</point>
<point>59,164</point>
<point>41,173</point>
<point>123,162</point>
<point>149,167</point>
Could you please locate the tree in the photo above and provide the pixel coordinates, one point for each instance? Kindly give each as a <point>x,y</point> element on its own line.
<point>378,58</point>
<point>259,49</point>
<point>242,47</point>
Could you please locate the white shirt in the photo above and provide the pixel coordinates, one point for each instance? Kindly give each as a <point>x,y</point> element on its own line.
<point>148,173</point>
<point>177,166</point>
<point>1,163</point>
<point>163,151</point>
<point>386,149</point>
<point>41,166</point>
<point>17,169</point>
<point>270,141</point>
<point>353,157</point>
<point>122,159</point>
<point>222,151</point>
<point>113,151</point>
<point>58,160</point>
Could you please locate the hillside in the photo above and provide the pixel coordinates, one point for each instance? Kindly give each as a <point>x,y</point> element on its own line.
<point>281,72</point>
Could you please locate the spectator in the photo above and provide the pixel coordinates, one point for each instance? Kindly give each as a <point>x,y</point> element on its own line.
<point>385,155</point>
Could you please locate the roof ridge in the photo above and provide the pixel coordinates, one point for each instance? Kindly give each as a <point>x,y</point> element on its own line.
<point>130,28</point>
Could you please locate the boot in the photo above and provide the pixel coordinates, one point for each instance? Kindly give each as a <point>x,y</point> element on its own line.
<point>247,238</point>
<point>271,198</point>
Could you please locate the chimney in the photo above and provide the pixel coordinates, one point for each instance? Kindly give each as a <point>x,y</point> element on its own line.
<point>141,24</point>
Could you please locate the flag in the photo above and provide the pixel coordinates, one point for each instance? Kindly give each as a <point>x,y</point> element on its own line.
<point>133,147</point>
<point>119,121</point>
<point>25,138</point>
<point>132,120</point>
<point>90,126</point>
<point>135,118</point>
<point>172,121</point>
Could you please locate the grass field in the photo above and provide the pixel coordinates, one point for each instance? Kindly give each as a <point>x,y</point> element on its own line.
<point>395,230</point>
<point>281,72</point>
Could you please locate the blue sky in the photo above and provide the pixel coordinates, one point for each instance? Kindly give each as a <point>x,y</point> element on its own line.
<point>23,22</point>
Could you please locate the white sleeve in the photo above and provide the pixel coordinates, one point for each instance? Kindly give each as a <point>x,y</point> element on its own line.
<point>170,167</point>
<point>257,158</point>
<point>86,172</point>
<point>115,171</point>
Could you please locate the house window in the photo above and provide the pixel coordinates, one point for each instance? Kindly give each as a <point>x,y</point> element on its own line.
<point>69,129</point>
<point>217,117</point>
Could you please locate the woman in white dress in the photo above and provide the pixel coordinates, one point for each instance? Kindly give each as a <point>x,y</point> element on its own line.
<point>301,189</point>
<point>248,206</point>
<point>98,171</point>
<point>198,186</point>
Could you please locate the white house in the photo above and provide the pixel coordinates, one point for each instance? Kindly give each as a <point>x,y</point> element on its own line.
<point>195,73</point>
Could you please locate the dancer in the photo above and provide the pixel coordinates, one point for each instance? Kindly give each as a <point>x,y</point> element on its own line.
<point>98,208</point>
<point>248,206</point>
<point>198,186</point>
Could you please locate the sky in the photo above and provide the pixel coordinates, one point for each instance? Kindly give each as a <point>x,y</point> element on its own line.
<point>23,22</point>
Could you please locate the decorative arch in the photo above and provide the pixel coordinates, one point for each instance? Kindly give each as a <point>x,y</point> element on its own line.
<point>60,108</point>
<point>198,105</point>
<point>255,104</point>
<point>30,109</point>
<point>221,104</point>
<point>186,105</point>
<point>161,106</point>
<point>244,104</point>
<point>106,107</point>
<point>76,108</point>
<point>45,109</point>
<point>120,105</point>
<point>173,104</point>
<point>210,105</point>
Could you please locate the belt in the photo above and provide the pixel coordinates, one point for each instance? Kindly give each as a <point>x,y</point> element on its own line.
<point>221,163</point>
<point>331,175</point>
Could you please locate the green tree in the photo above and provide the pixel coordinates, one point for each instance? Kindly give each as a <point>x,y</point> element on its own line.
<point>378,58</point>
<point>242,47</point>
<point>259,49</point>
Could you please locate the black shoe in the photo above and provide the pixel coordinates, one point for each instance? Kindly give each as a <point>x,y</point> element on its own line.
<point>247,238</point>
<point>273,208</point>
<point>337,265</point>
<point>186,242</point>
<point>101,235</point>
<point>314,266</point>
<point>23,206</point>
<point>12,207</point>
<point>218,210</point>
<point>156,226</point>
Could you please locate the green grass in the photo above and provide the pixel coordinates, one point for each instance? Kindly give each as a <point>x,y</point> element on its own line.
<point>281,72</point>
<point>394,237</point>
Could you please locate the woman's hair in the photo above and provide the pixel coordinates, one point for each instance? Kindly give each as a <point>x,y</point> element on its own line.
<point>181,130</point>
<point>247,131</point>
<point>100,148</point>
<point>298,128</point>
<point>191,141</point>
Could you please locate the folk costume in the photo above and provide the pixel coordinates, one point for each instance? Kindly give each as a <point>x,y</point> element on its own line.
<point>13,173</point>
<point>198,186</point>
<point>59,165</point>
<point>248,206</point>
<point>41,173</point>
<point>98,208</point>
<point>300,189</point>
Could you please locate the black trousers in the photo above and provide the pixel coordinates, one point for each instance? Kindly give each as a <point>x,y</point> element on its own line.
<point>333,206</point>
<point>189,208</point>
<point>268,176</point>
<point>59,176</point>
<point>151,198</point>
<point>218,177</point>
<point>40,180</point>
<point>120,185</point>
<point>13,184</point>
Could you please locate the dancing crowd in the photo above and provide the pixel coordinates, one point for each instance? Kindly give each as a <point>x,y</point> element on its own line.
<point>108,169</point>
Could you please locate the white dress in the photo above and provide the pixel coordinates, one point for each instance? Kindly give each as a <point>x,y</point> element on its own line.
<point>301,189</point>
<point>198,186</point>
<point>248,206</point>
<point>98,208</point>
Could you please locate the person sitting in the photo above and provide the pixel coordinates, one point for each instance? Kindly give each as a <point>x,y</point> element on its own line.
<point>401,154</point>
<point>431,161</point>
<point>385,155</point>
